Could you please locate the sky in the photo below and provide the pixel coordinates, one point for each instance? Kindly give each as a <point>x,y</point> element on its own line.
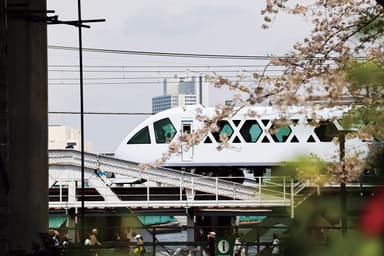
<point>126,83</point>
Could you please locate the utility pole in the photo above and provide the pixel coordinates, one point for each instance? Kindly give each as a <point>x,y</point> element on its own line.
<point>343,189</point>
<point>79,23</point>
<point>343,192</point>
<point>81,118</point>
<point>79,26</point>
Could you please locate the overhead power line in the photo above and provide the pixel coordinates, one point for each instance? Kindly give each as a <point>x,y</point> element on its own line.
<point>126,83</point>
<point>163,54</point>
<point>158,66</point>
<point>155,71</point>
<point>101,113</point>
<point>134,78</point>
<point>143,71</point>
<point>118,78</point>
<point>181,55</point>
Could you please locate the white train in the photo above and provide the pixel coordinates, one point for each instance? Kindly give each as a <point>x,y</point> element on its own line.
<point>256,143</point>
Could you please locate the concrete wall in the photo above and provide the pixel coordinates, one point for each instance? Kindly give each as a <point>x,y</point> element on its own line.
<point>27,124</point>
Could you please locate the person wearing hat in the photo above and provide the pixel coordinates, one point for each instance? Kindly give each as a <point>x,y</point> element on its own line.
<point>275,245</point>
<point>91,242</point>
<point>93,237</point>
<point>238,247</point>
<point>139,250</point>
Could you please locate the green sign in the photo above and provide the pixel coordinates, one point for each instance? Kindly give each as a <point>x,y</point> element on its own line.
<point>224,247</point>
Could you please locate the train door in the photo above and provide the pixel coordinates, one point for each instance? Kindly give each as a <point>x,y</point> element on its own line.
<point>186,150</point>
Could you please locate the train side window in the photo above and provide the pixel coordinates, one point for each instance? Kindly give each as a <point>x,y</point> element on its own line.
<point>281,134</point>
<point>224,129</point>
<point>141,137</point>
<point>186,128</point>
<point>326,131</point>
<point>251,131</point>
<point>164,130</point>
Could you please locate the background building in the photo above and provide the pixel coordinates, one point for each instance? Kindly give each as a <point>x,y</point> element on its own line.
<point>181,91</point>
<point>62,137</point>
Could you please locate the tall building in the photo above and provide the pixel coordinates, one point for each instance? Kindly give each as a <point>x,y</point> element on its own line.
<point>181,91</point>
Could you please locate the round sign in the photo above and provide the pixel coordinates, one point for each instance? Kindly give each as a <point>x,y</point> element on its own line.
<point>223,246</point>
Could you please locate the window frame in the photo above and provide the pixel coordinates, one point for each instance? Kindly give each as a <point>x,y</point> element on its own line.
<point>137,134</point>
<point>244,129</point>
<point>163,139</point>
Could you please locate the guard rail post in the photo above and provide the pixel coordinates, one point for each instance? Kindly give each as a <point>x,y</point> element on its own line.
<point>217,190</point>
<point>61,192</point>
<point>284,188</point>
<point>148,192</point>
<point>154,241</point>
<point>292,200</point>
<point>258,239</point>
<point>192,189</point>
<point>180,187</point>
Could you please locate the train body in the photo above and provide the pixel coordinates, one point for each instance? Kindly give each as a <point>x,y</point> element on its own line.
<point>256,142</point>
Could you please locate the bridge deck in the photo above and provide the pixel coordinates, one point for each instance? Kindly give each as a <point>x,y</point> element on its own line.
<point>65,172</point>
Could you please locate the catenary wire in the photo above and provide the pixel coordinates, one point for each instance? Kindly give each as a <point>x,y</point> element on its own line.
<point>163,54</point>
<point>101,113</point>
<point>164,71</point>
<point>178,54</point>
<point>128,78</point>
<point>157,66</point>
<point>127,83</point>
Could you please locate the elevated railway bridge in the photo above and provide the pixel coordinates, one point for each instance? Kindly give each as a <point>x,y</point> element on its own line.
<point>123,187</point>
<point>164,188</point>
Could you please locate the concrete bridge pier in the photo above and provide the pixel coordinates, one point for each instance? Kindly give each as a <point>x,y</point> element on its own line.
<point>23,124</point>
<point>191,231</point>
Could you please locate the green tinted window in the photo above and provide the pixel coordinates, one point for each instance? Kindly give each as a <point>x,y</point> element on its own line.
<point>250,131</point>
<point>281,135</point>
<point>141,137</point>
<point>224,129</point>
<point>164,130</point>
